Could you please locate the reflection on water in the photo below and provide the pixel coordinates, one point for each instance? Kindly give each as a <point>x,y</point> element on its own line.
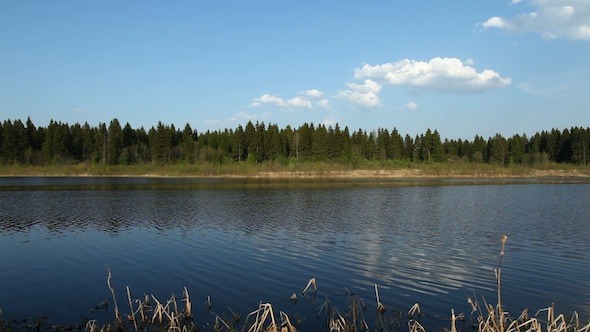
<point>241,242</point>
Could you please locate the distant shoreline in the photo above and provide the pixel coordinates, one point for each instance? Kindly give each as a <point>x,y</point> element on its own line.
<point>302,171</point>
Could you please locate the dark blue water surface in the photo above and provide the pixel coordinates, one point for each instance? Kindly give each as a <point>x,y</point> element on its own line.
<point>241,242</point>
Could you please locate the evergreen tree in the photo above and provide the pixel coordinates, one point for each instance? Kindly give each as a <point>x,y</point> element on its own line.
<point>319,143</point>
<point>497,150</point>
<point>240,143</point>
<point>579,146</point>
<point>287,137</point>
<point>115,142</point>
<point>77,142</point>
<point>397,145</point>
<point>431,148</point>
<point>384,148</point>
<point>408,147</point>
<point>88,143</point>
<point>478,149</point>
<point>14,142</point>
<point>303,141</point>
<point>517,149</point>
<point>250,140</point>
<point>259,143</point>
<point>565,147</point>
<point>188,145</point>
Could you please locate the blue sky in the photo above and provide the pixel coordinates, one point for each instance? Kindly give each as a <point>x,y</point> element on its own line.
<point>463,67</point>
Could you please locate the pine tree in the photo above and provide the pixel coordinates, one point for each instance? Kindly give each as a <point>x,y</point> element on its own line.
<point>397,145</point>
<point>188,147</point>
<point>114,142</point>
<point>497,150</point>
<point>319,143</point>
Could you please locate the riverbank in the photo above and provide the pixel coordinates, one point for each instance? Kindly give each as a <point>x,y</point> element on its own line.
<point>306,170</point>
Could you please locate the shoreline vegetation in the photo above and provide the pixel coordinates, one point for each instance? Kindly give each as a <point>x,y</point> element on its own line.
<point>267,151</point>
<point>307,170</point>
<point>180,314</point>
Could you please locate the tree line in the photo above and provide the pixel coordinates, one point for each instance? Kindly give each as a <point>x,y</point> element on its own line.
<point>113,144</point>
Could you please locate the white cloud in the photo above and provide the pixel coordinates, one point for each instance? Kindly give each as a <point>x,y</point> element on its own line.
<point>365,94</point>
<point>241,116</point>
<point>299,102</point>
<point>411,105</point>
<point>304,100</point>
<point>447,75</point>
<point>496,22</point>
<point>323,103</point>
<point>312,93</point>
<point>280,102</point>
<point>569,19</point>
<point>513,2</point>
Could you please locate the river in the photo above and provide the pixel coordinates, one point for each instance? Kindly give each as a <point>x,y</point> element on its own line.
<point>240,242</point>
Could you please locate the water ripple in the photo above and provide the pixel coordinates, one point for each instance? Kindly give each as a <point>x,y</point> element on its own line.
<point>430,244</point>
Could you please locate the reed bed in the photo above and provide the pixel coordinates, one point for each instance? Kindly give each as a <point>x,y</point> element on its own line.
<point>177,314</point>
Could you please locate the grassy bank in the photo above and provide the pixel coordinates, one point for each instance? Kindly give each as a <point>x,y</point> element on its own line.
<point>367,169</point>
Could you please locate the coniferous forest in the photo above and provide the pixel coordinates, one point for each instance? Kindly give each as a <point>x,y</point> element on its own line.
<point>116,144</point>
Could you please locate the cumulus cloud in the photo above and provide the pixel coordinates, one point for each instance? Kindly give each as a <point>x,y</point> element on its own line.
<point>299,102</point>
<point>365,94</point>
<point>411,105</point>
<point>241,116</point>
<point>323,103</point>
<point>304,100</point>
<point>312,93</point>
<point>496,22</point>
<point>447,75</point>
<point>280,102</point>
<point>569,19</point>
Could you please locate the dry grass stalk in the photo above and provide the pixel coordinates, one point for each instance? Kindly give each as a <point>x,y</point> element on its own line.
<point>91,326</point>
<point>159,312</point>
<point>286,325</point>
<point>414,312</point>
<point>140,310</point>
<point>263,313</point>
<point>355,315</point>
<point>575,323</point>
<point>132,316</point>
<point>173,301</point>
<point>117,314</point>
<point>380,306</point>
<point>217,326</point>
<point>188,307</point>
<point>337,323</point>
<point>208,304</point>
<point>174,323</point>
<point>236,317</point>
<point>415,326</point>
<point>501,318</point>
<point>454,319</point>
<point>311,283</point>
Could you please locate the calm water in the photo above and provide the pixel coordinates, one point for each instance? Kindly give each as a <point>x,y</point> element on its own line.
<point>242,242</point>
